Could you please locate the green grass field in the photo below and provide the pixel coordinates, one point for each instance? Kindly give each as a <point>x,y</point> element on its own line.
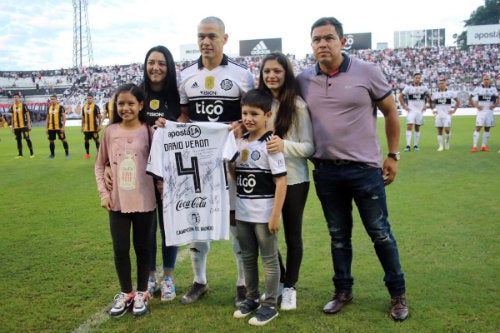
<point>57,272</point>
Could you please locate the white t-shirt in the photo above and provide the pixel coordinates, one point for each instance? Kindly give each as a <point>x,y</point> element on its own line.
<point>190,158</point>
<point>444,101</point>
<point>214,95</point>
<point>485,96</point>
<point>255,186</point>
<point>417,96</point>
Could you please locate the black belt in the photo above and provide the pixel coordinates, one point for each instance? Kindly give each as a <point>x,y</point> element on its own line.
<point>320,162</point>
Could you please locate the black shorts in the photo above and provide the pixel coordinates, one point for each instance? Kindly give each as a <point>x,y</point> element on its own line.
<point>91,135</point>
<point>23,130</point>
<point>52,135</point>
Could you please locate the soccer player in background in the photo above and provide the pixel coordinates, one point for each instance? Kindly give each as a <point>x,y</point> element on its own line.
<point>485,99</point>
<point>21,125</point>
<point>56,121</point>
<point>445,103</point>
<point>413,98</point>
<point>91,124</point>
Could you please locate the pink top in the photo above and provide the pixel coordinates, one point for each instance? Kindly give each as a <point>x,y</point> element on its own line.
<point>127,152</point>
<point>343,111</point>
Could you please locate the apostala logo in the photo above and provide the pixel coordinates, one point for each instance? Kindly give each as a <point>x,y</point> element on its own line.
<point>193,131</point>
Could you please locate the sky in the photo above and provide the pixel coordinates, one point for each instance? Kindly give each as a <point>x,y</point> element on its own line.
<point>38,34</point>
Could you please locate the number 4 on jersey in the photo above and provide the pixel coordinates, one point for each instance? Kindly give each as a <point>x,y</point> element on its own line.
<point>194,170</point>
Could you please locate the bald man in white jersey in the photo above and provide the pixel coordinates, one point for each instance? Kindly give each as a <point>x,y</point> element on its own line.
<point>485,99</point>
<point>210,90</point>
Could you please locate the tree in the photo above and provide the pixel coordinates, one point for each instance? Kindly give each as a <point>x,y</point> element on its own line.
<point>483,15</point>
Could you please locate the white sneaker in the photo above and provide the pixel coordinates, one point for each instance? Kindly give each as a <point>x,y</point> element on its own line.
<point>440,148</point>
<point>121,304</point>
<point>447,146</point>
<point>280,292</point>
<point>289,299</point>
<point>140,303</point>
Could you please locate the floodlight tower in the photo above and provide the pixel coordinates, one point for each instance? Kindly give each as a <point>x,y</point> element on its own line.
<point>82,44</point>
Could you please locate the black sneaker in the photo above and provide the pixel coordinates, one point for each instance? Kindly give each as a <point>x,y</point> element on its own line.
<point>241,294</point>
<point>264,314</point>
<point>197,290</point>
<point>246,307</point>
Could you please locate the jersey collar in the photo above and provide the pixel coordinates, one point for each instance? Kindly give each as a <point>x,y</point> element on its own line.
<point>264,137</point>
<point>222,63</point>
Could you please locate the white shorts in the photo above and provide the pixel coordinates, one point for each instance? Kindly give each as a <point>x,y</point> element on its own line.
<point>485,118</point>
<point>443,120</point>
<point>415,117</point>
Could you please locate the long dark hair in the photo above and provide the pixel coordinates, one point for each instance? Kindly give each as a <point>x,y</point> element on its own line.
<point>169,89</point>
<point>138,94</point>
<point>288,94</point>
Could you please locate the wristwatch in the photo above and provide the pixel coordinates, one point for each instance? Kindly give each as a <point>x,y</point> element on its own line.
<point>396,156</point>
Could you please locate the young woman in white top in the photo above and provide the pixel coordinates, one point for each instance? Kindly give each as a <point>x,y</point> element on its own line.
<point>292,129</point>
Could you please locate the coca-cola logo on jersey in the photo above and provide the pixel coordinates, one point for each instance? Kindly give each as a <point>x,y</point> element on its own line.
<point>248,183</point>
<point>193,131</point>
<point>197,202</point>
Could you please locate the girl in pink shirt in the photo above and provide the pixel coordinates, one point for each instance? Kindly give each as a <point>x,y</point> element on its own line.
<point>131,201</point>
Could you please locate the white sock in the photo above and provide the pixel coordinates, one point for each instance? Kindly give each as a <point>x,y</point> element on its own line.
<point>440,140</point>
<point>408,138</point>
<point>475,138</point>
<point>486,136</point>
<point>237,255</point>
<point>199,253</point>
<point>417,138</point>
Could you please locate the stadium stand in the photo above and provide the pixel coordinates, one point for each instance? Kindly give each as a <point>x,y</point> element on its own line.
<point>463,70</point>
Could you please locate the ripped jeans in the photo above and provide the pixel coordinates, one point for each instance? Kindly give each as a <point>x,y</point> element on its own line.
<point>337,186</point>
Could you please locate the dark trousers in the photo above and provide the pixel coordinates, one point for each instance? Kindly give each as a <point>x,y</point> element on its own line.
<point>337,186</point>
<point>120,224</point>
<point>292,212</point>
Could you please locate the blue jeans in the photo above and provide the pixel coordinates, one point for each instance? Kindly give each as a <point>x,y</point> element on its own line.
<point>169,253</point>
<point>336,187</point>
<point>255,238</point>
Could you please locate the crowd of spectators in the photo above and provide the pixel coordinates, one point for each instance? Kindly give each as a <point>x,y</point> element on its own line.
<point>462,69</point>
